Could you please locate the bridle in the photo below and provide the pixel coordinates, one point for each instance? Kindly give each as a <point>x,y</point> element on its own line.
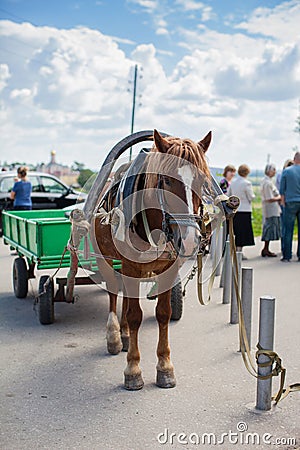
<point>179,219</point>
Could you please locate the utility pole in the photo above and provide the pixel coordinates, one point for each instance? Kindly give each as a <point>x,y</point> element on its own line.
<point>133,105</point>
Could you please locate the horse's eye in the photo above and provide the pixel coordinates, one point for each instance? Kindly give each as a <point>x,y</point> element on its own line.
<point>167,181</point>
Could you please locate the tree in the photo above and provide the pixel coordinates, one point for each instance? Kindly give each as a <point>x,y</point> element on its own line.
<point>84,177</point>
<point>78,166</point>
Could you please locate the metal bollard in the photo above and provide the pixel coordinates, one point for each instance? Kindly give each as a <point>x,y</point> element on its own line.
<point>221,284</point>
<point>213,245</point>
<point>234,315</point>
<point>246,298</point>
<point>225,239</point>
<point>223,250</point>
<point>266,340</point>
<point>227,270</point>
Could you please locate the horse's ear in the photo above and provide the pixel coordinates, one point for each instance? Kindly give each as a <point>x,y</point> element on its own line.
<point>205,143</point>
<point>161,144</point>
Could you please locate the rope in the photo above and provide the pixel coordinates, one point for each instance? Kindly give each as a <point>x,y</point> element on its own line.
<point>197,269</point>
<point>274,361</point>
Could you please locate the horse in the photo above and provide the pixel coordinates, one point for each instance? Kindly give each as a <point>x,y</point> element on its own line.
<point>160,231</point>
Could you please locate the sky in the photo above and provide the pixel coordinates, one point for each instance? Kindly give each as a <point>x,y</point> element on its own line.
<point>67,70</point>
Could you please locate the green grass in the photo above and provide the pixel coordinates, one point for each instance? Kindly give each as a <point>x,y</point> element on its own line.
<point>257,220</point>
<point>257,215</point>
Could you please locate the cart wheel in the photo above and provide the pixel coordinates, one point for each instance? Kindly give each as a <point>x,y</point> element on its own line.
<point>45,303</point>
<point>176,301</point>
<point>20,278</point>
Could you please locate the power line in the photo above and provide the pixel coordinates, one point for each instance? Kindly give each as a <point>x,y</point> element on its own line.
<point>26,44</point>
<point>18,40</point>
<point>43,63</point>
<point>17,17</point>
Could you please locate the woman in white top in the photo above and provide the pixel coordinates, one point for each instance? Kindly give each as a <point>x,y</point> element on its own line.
<point>242,222</point>
<point>271,210</point>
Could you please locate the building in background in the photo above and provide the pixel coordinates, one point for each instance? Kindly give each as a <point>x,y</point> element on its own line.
<point>61,171</point>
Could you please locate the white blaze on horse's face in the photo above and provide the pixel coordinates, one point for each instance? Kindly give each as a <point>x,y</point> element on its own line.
<point>189,234</point>
<point>186,175</point>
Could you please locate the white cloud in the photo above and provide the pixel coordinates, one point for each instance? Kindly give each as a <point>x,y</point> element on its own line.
<point>207,14</point>
<point>281,23</point>
<point>190,5</point>
<point>67,89</point>
<point>122,40</point>
<point>162,31</point>
<point>149,5</point>
<point>20,94</point>
<point>193,5</point>
<point>4,76</point>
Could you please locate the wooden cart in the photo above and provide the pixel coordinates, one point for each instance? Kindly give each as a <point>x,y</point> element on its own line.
<point>40,238</point>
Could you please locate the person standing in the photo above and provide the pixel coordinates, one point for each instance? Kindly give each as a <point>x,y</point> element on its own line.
<point>242,222</point>
<point>21,191</point>
<point>271,210</point>
<point>228,174</point>
<point>289,162</point>
<point>290,198</point>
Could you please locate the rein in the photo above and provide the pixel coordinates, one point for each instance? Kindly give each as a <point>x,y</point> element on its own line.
<point>274,361</point>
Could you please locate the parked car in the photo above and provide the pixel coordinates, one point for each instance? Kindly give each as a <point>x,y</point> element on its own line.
<point>47,192</point>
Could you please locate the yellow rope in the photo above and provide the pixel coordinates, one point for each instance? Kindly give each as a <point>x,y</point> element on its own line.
<point>274,361</point>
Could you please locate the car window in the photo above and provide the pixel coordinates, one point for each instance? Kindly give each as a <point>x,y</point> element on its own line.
<point>7,184</point>
<point>52,186</point>
<point>35,183</point>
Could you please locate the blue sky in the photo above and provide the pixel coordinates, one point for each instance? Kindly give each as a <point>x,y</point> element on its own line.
<point>135,21</point>
<point>232,67</point>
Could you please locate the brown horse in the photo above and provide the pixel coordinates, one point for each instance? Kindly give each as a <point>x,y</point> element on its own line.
<point>151,231</point>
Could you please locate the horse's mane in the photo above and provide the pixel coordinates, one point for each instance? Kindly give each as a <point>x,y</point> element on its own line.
<point>180,152</point>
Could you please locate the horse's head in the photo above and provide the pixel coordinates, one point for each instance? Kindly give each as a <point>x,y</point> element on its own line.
<point>179,169</point>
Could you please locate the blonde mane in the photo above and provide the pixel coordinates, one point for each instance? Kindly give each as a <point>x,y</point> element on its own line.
<point>180,152</point>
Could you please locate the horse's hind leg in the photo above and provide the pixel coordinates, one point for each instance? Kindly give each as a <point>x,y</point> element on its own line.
<point>113,333</point>
<point>165,377</point>
<point>124,325</point>
<point>133,374</point>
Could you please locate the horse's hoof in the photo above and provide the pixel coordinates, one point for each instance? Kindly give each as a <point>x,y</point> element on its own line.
<point>125,342</point>
<point>114,348</point>
<point>133,382</point>
<point>165,379</point>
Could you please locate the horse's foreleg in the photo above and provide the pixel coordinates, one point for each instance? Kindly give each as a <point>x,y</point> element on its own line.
<point>133,373</point>
<point>113,334</point>
<point>124,325</point>
<point>165,377</point>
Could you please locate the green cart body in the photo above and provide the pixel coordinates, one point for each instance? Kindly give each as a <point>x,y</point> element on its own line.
<point>40,237</point>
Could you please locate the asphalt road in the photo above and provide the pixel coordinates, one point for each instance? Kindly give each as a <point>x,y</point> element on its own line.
<point>61,390</point>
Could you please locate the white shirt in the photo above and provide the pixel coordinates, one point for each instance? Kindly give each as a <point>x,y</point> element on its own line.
<point>242,188</point>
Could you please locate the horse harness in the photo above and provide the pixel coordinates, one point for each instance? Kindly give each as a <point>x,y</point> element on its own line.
<point>126,187</point>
